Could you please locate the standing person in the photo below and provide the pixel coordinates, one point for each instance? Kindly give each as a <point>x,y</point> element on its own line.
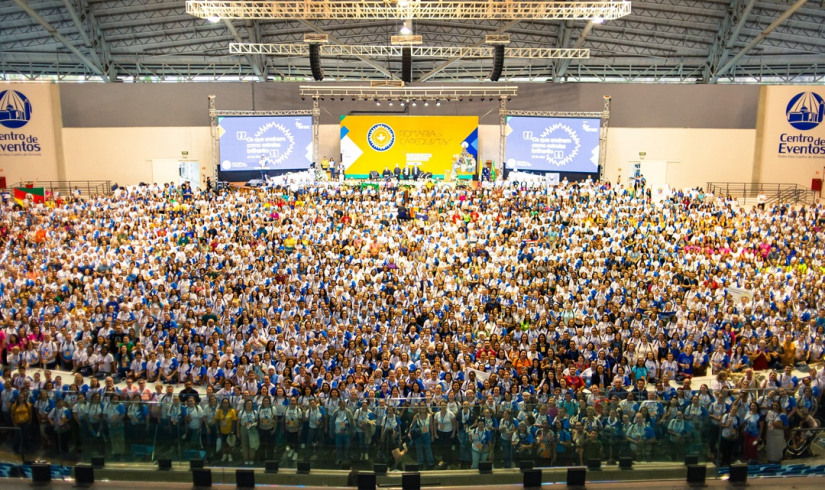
<point>266,428</point>
<point>480,442</point>
<point>193,417</point>
<point>60,417</point>
<point>776,422</point>
<point>293,420</point>
<point>114,413</point>
<point>21,417</point>
<point>315,416</point>
<point>341,171</point>
<point>247,430</point>
<point>677,430</point>
<point>753,428</point>
<point>210,427</point>
<point>421,434</point>
<point>342,426</point>
<point>729,435</point>
<point>364,429</point>
<point>445,430</point>
<point>506,428</point>
<point>225,417</point>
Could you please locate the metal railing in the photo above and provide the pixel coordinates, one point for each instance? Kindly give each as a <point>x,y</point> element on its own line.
<point>67,187</point>
<point>774,193</point>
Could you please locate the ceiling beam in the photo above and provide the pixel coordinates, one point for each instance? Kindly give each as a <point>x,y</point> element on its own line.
<point>334,40</point>
<point>250,59</point>
<point>98,43</point>
<point>565,64</point>
<point>449,62</point>
<point>758,39</point>
<point>60,37</point>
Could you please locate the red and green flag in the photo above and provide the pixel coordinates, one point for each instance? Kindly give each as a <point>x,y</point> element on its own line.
<point>38,194</point>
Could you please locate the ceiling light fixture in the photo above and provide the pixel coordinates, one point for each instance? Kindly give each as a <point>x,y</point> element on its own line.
<point>406,28</point>
<point>214,19</point>
<point>598,19</point>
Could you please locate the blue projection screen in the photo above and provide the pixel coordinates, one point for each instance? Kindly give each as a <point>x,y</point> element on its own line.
<point>265,143</point>
<point>552,144</point>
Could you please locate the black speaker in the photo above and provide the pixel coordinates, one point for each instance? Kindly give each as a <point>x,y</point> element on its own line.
<point>738,474</point>
<point>97,462</point>
<point>195,464</point>
<point>411,481</point>
<point>379,469</point>
<point>532,478</point>
<point>691,459</point>
<point>315,62</point>
<point>576,476</point>
<point>164,464</point>
<point>303,468</point>
<point>406,64</point>
<point>84,475</point>
<point>245,478</point>
<point>485,467</point>
<point>525,464</point>
<point>411,468</point>
<point>366,481</point>
<point>625,463</point>
<point>696,475</point>
<point>594,464</point>
<point>271,467</point>
<point>202,478</point>
<point>498,62</point>
<point>41,474</point>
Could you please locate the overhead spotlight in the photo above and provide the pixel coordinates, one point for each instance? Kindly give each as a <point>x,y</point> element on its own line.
<point>353,98</point>
<point>405,30</point>
<point>438,103</point>
<point>402,103</point>
<point>470,99</point>
<point>377,102</point>
<point>303,98</point>
<point>461,99</point>
<point>414,104</point>
<point>213,19</point>
<point>426,103</point>
<point>448,99</point>
<point>598,19</point>
<point>390,102</point>
<point>342,98</point>
<point>482,99</point>
<point>322,98</point>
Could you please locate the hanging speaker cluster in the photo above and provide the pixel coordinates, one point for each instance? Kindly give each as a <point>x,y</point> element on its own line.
<point>498,62</point>
<point>406,64</point>
<point>315,62</point>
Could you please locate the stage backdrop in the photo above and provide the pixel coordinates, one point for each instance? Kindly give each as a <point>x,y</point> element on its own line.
<point>432,143</point>
<point>552,144</point>
<point>790,144</point>
<point>250,146</point>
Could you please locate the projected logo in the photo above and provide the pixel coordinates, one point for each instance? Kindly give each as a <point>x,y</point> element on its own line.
<point>558,144</point>
<point>15,109</point>
<point>805,110</point>
<point>380,137</point>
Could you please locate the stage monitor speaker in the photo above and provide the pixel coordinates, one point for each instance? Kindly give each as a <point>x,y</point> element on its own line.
<point>195,464</point>
<point>379,469</point>
<point>164,464</point>
<point>366,481</point>
<point>303,468</point>
<point>411,468</point>
<point>98,463</point>
<point>696,475</point>
<point>245,478</point>
<point>498,62</point>
<point>315,62</point>
<point>406,64</point>
<point>41,474</point>
<point>625,463</point>
<point>411,481</point>
<point>84,475</point>
<point>271,467</point>
<point>594,464</point>
<point>485,467</point>
<point>532,478</point>
<point>576,477</point>
<point>738,474</point>
<point>691,459</point>
<point>202,478</point>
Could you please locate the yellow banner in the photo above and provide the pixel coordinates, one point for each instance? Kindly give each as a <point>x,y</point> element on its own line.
<point>440,145</point>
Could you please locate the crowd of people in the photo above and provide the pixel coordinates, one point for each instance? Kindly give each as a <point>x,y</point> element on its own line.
<point>499,321</point>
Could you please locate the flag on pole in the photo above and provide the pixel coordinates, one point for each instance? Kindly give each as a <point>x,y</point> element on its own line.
<point>38,194</point>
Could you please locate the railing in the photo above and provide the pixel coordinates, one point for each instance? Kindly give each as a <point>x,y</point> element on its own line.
<point>69,187</point>
<point>774,193</point>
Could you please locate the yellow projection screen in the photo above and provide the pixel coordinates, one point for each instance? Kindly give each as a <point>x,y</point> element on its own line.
<point>434,144</point>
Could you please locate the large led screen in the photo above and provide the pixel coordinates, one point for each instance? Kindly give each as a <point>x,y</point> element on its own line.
<point>554,144</point>
<point>265,143</point>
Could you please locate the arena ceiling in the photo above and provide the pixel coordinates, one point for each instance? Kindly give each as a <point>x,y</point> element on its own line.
<point>688,41</point>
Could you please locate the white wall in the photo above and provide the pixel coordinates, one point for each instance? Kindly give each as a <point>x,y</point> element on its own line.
<point>696,156</point>
<point>124,155</point>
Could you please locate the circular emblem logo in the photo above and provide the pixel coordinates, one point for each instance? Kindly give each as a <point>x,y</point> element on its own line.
<point>15,109</point>
<point>380,137</point>
<point>805,110</point>
<point>565,144</point>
